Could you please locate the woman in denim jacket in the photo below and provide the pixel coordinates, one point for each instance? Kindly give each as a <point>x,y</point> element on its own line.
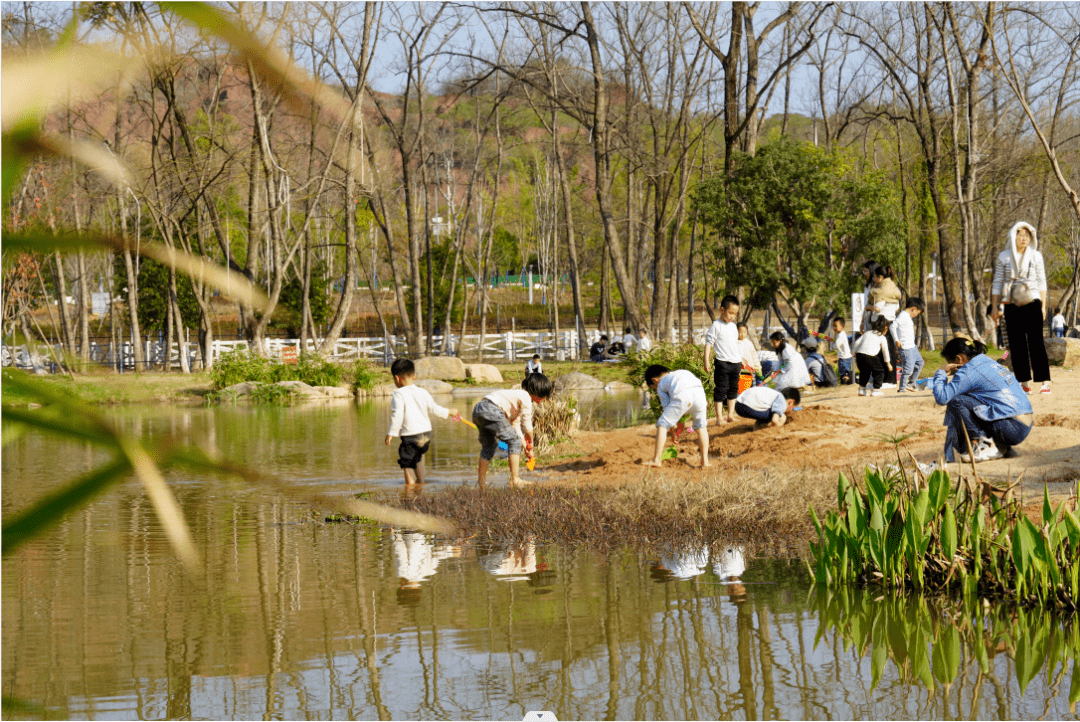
<point>984,397</point>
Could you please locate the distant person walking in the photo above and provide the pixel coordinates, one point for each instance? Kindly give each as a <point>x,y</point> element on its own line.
<point>1019,278</point>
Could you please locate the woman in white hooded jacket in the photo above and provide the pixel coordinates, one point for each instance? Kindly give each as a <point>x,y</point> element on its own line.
<point>1021,262</point>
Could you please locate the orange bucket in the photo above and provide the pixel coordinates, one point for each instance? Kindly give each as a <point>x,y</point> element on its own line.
<point>746,380</point>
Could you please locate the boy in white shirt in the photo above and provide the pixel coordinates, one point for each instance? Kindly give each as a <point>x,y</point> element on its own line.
<point>843,351</point>
<point>1057,324</point>
<point>680,391</point>
<point>409,409</point>
<point>722,346</point>
<point>534,366</point>
<point>903,332</point>
<point>506,415</point>
<point>766,406</point>
<point>629,341</point>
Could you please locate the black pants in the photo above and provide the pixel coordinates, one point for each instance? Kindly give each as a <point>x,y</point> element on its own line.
<point>1024,327</point>
<point>725,380</point>
<point>870,366</point>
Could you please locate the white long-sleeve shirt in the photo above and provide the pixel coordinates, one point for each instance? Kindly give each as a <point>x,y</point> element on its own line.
<point>872,343</point>
<point>517,405</point>
<point>749,354</point>
<point>794,374</point>
<point>724,338</point>
<point>409,409</point>
<point>843,348</point>
<point>1058,321</point>
<point>903,330</point>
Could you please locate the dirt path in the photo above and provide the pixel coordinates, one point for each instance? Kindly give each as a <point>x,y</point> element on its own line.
<point>837,430</point>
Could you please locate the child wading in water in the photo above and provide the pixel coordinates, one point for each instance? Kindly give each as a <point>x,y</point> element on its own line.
<point>866,349</point>
<point>409,409</point>
<point>506,415</point>
<point>680,392</point>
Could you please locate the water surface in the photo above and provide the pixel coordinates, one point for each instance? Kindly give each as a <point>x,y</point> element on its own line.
<point>298,618</point>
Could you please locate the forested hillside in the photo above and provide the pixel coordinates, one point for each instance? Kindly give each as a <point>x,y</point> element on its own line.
<point>639,159</point>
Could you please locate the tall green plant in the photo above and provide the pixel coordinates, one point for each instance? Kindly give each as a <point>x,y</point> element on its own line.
<point>934,537</point>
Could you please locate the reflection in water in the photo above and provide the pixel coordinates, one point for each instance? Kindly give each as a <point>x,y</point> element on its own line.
<point>299,619</point>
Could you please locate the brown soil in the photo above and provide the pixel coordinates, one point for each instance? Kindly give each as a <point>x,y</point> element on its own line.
<point>837,430</point>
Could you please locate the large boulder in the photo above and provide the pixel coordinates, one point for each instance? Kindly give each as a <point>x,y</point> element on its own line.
<point>447,368</point>
<point>240,390</point>
<point>382,390</point>
<point>334,392</point>
<point>1073,332</point>
<point>434,386</point>
<point>299,388</point>
<point>484,373</point>
<point>576,381</point>
<point>1063,351</point>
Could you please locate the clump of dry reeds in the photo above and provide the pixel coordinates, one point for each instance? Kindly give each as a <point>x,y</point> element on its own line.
<point>554,420</point>
<point>758,509</point>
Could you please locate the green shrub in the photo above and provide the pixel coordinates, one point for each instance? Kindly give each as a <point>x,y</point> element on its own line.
<point>363,375</point>
<point>314,371</point>
<point>239,366</point>
<point>273,394</point>
<point>674,356</point>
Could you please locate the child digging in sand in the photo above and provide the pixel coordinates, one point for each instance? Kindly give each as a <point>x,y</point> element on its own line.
<point>680,392</point>
<point>506,415</point>
<point>409,409</point>
<point>766,406</point>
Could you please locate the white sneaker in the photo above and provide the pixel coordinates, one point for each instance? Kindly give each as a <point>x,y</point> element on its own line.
<point>888,386</point>
<point>985,450</point>
<point>876,392</point>
<point>862,391</point>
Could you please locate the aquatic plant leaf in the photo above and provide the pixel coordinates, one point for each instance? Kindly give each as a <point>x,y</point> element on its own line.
<point>1047,510</point>
<point>877,521</point>
<point>1074,688</point>
<point>1072,525</point>
<point>950,644</point>
<point>920,507</point>
<point>948,533</point>
<point>875,488</point>
<point>877,665</point>
<point>894,539</point>
<point>1027,662</point>
<point>1023,547</point>
<point>938,485</point>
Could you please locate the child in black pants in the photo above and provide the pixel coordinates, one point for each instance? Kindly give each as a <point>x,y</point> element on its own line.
<point>867,348</point>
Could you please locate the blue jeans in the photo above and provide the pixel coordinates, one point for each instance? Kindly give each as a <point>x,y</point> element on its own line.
<point>913,365</point>
<point>843,368</point>
<point>1059,333</point>
<point>767,367</point>
<point>959,413</point>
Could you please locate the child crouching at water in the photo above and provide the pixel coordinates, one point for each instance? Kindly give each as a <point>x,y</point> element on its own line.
<point>409,409</point>
<point>506,415</point>
<point>766,406</point>
<point>680,392</point>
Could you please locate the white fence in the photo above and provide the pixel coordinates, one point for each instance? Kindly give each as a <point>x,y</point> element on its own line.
<point>510,346</point>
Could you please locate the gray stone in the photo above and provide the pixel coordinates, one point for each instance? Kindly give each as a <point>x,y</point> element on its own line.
<point>1063,351</point>
<point>334,392</point>
<point>241,389</point>
<point>299,388</point>
<point>485,373</point>
<point>434,386</point>
<point>575,381</point>
<point>447,368</point>
<point>1073,332</point>
<point>382,390</point>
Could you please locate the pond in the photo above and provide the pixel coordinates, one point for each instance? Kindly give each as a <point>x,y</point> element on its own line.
<point>295,617</point>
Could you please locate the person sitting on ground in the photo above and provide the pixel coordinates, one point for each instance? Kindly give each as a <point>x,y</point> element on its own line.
<point>770,362</point>
<point>534,366</point>
<point>506,415</point>
<point>616,349</point>
<point>1057,324</point>
<point>868,349</point>
<point>629,340</point>
<point>750,360</point>
<point>410,407</point>
<point>598,349</point>
<point>983,397</point>
<point>815,363</point>
<point>909,359</point>
<point>766,406</point>
<point>793,373</point>
<point>843,351</point>
<point>723,359</point>
<point>680,392</point>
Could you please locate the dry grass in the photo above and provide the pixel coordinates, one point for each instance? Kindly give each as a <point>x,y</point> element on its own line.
<point>757,509</point>
<point>554,420</point>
